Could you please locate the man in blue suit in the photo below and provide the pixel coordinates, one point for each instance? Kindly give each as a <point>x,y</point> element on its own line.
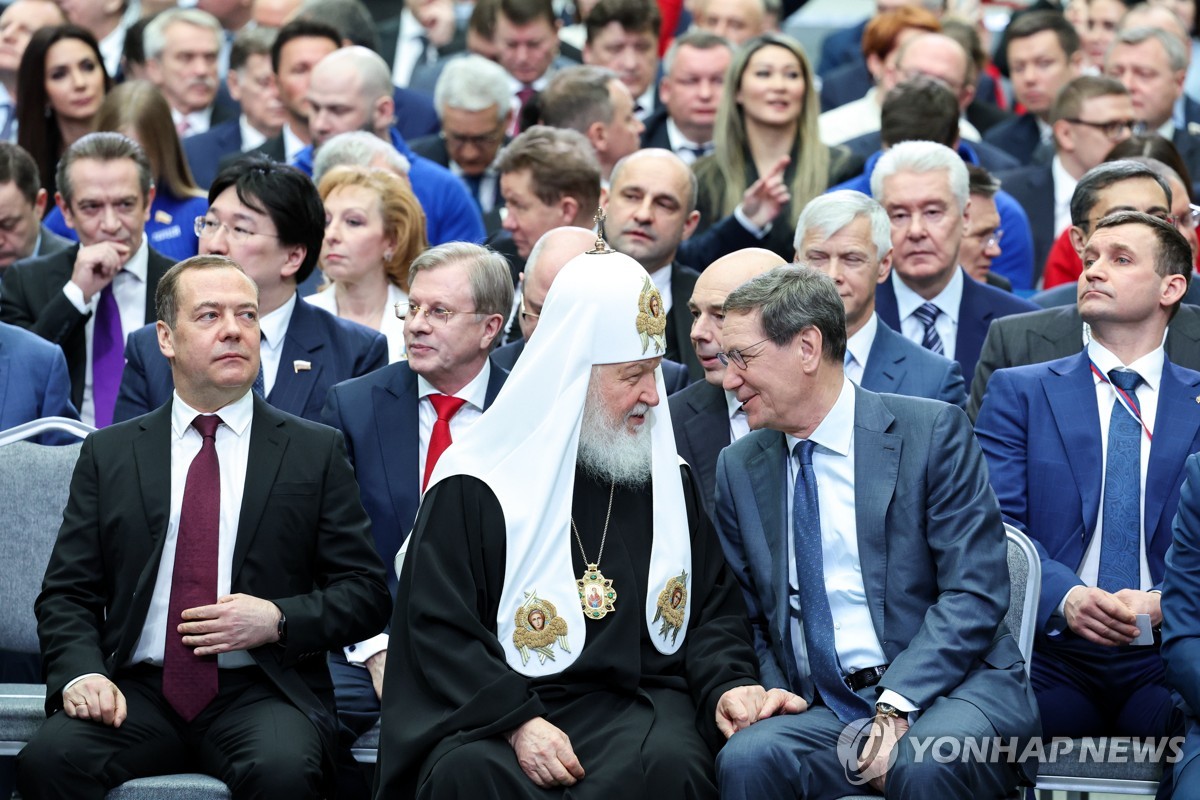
<point>1181,616</point>
<point>1086,454</point>
<point>33,378</point>
<point>923,186</point>
<point>880,589</point>
<point>269,218</point>
<point>396,425</point>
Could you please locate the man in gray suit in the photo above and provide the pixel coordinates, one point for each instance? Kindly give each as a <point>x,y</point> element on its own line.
<point>894,550</point>
<point>847,235</point>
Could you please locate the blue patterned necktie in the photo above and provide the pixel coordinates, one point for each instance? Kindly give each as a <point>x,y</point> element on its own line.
<point>1120,542</point>
<point>927,315</point>
<point>259,384</point>
<point>814,602</point>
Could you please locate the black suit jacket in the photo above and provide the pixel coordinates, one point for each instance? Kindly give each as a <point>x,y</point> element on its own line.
<point>700,417</point>
<point>1033,188</point>
<point>33,299</point>
<point>846,83</point>
<point>205,151</point>
<point>1019,137</point>
<point>303,542</point>
<point>679,321</point>
<point>1054,333</point>
<point>655,132</point>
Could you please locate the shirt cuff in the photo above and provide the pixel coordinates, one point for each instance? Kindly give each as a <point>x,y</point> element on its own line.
<point>75,295</point>
<point>1057,623</point>
<point>81,677</point>
<point>361,652</point>
<point>901,702</point>
<point>745,222</point>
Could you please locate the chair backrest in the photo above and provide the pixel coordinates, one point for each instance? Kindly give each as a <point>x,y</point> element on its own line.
<point>34,483</point>
<point>1025,584</point>
<point>65,428</point>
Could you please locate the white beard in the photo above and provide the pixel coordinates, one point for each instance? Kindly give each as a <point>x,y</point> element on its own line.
<point>608,451</point>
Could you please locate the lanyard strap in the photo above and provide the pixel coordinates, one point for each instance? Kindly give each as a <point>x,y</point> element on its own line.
<point>1124,399</point>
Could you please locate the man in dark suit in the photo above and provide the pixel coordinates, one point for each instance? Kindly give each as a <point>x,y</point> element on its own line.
<point>214,537</point>
<point>929,299</point>
<point>622,35</point>
<point>33,379</point>
<point>690,91</point>
<point>847,236</point>
<point>1180,600</point>
<point>707,418</point>
<point>1043,55</point>
<point>1090,116</point>
<point>418,36</point>
<point>253,86</point>
<point>22,206</point>
<point>891,511</point>
<point>268,218</point>
<point>182,48</point>
<point>89,297</point>
<point>1102,534</point>
<point>396,427</point>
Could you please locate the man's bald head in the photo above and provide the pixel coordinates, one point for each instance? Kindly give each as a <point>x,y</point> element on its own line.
<point>708,301</point>
<point>547,258</point>
<point>350,89</point>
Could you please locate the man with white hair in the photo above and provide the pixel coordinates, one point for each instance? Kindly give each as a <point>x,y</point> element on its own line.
<point>847,236</point>
<point>182,46</point>
<point>472,102</point>
<point>359,149</point>
<point>588,631</point>
<point>351,89</point>
<point>923,186</point>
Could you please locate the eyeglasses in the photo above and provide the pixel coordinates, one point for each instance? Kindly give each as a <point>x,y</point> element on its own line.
<point>993,240</point>
<point>1113,130</point>
<point>1189,220</point>
<point>206,228</point>
<point>457,141</point>
<point>739,357</point>
<point>527,315</point>
<point>437,314</point>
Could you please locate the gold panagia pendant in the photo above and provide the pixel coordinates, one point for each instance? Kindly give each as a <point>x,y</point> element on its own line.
<point>596,593</point>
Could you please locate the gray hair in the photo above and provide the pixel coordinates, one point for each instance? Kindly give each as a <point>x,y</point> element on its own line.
<point>154,37</point>
<point>248,42</point>
<point>697,38</point>
<point>358,149</point>
<point>472,83</point>
<point>577,97</point>
<point>1177,57</point>
<point>922,157</point>
<point>829,213</point>
<point>103,146</point>
<point>487,270</point>
<point>367,65</point>
<point>791,298</point>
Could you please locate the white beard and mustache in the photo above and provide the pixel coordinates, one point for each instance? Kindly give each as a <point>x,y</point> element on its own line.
<point>608,452</point>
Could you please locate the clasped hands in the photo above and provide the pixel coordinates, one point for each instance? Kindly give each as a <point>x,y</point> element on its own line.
<point>234,622</point>
<point>1110,618</point>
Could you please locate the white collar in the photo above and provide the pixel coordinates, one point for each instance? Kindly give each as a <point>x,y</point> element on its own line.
<point>836,431</point>
<point>292,144</point>
<point>1064,184</point>
<point>236,416</point>
<point>678,140</point>
<point>732,403</point>
<point>948,301</point>
<point>1149,366</point>
<point>274,325</point>
<point>860,343</point>
<point>475,392</point>
<point>138,264</point>
<point>252,137</point>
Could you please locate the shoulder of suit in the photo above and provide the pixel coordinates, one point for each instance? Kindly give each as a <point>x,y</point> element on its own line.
<point>343,328</point>
<point>359,389</point>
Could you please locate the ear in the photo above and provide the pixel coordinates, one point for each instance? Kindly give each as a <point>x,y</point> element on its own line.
<point>569,209</point>
<point>166,343</point>
<point>597,134</point>
<point>1174,287</point>
<point>664,90</point>
<point>234,85</point>
<point>875,66</point>
<point>491,329</point>
<point>1064,135</point>
<point>39,203</point>
<point>689,226</point>
<point>295,258</point>
<point>1078,239</point>
<point>64,209</point>
<point>810,344</point>
<point>384,114</point>
<point>885,266</point>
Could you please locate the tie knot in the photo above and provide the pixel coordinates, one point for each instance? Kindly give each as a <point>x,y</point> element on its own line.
<point>206,425</point>
<point>1124,379</point>
<point>445,405</point>
<point>804,451</point>
<point>927,313</point>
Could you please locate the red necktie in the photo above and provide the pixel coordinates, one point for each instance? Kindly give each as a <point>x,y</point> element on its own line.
<point>446,407</point>
<point>189,681</point>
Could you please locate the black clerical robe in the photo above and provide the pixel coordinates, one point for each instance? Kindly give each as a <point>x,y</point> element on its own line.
<point>641,722</point>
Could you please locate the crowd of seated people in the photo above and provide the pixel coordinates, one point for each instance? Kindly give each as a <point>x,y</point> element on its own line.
<point>282,255</point>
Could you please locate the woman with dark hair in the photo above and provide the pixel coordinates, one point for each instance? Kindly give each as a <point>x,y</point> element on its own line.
<point>138,110</point>
<point>768,116</point>
<point>60,85</point>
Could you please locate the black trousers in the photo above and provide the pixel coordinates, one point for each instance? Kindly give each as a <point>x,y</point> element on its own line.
<point>250,736</point>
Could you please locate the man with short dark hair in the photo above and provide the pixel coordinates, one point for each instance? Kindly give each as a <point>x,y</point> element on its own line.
<point>981,240</point>
<point>622,35</point>
<point>694,70</point>
<point>1102,535</point>
<point>527,48</point>
<point>269,219</point>
<point>595,102</point>
<point>90,297</point>
<point>22,206</point>
<point>240,531</point>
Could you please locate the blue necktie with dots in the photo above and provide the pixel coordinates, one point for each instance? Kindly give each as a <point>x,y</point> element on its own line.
<point>1120,537</point>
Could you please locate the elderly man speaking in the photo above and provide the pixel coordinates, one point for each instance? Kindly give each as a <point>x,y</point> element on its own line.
<point>565,617</point>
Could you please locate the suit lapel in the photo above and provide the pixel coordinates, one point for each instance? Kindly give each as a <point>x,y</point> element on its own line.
<point>396,411</point>
<point>156,266</point>
<point>885,304</point>
<point>768,474</point>
<point>974,317</point>
<point>5,371</point>
<point>1175,425</point>
<point>496,377</point>
<point>152,455</point>
<point>876,467</point>
<point>1059,337</point>
<point>1071,393</point>
<point>302,342</point>
<point>268,443</point>
<point>708,430</point>
<point>885,365</point>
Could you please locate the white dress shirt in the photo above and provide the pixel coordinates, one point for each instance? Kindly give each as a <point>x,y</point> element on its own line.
<point>197,121</point>
<point>292,144</point>
<point>739,423</point>
<point>948,302</point>
<point>854,635</point>
<point>233,454</point>
<point>662,282</point>
<point>410,48</point>
<point>391,326</point>
<point>682,146</point>
<point>274,327</point>
<point>1064,188</point>
<point>858,347</point>
<point>252,137</point>
<point>129,289</point>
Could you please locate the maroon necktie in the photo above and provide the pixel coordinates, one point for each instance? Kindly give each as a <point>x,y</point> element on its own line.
<point>524,95</point>
<point>446,407</point>
<point>189,681</point>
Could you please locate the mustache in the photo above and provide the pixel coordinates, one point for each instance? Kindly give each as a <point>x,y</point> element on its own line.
<point>640,410</point>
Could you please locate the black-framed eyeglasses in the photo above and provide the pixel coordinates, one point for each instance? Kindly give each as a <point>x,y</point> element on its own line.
<point>993,240</point>
<point>739,357</point>
<point>1114,129</point>
<point>456,141</point>
<point>437,313</point>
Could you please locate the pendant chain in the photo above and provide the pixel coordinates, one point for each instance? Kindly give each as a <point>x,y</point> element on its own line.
<point>603,537</point>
